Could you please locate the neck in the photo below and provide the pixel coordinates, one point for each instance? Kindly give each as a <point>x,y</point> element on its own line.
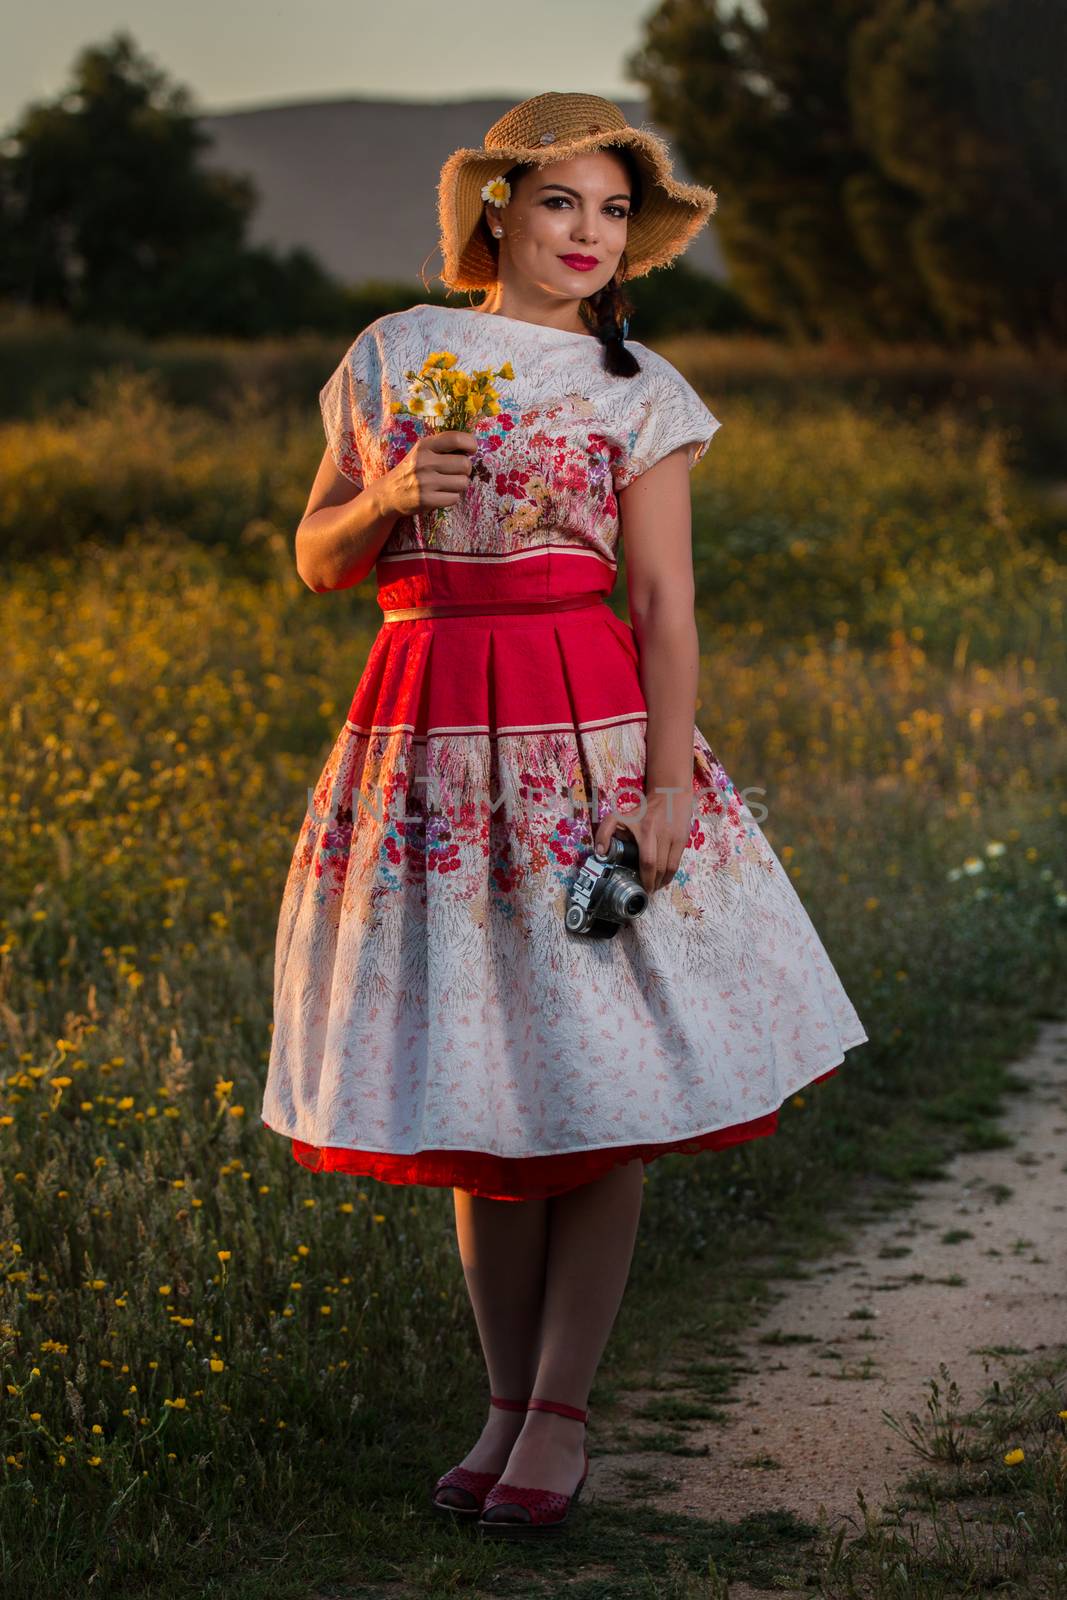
<point>550,313</point>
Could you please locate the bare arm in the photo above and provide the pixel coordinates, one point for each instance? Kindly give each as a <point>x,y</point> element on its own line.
<point>657,526</point>
<point>344,527</point>
<point>656,516</point>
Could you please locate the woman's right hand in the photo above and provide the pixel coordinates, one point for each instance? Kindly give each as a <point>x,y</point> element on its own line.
<point>435,472</point>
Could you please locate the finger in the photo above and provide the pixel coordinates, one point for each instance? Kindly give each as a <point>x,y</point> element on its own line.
<point>605,829</point>
<point>451,439</point>
<point>452,467</point>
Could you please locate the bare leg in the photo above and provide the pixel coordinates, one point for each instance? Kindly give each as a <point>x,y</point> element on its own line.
<point>591,1234</point>
<point>502,1246</point>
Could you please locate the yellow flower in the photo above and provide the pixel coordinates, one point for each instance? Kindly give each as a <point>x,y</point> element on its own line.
<point>505,371</point>
<point>1013,1458</point>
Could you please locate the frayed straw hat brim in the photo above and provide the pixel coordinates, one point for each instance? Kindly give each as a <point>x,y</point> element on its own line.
<point>670,215</point>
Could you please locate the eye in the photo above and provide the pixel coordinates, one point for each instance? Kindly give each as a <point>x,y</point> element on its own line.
<point>617,210</point>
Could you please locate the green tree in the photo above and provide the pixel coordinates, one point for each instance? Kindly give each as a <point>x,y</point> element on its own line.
<point>886,168</point>
<point>106,214</point>
<point>959,102</point>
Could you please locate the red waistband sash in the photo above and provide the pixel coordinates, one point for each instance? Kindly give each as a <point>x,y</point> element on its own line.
<point>443,608</point>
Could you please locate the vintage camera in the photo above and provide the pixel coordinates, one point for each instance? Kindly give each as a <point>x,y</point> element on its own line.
<point>607,891</point>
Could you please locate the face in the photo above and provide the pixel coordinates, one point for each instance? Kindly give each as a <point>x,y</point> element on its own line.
<point>565,225</point>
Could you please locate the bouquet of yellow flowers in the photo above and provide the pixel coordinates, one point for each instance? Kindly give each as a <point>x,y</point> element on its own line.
<point>446,397</point>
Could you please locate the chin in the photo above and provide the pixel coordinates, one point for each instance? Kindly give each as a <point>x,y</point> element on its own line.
<point>583,283</point>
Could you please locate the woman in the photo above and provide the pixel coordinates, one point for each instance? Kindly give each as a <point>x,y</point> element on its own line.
<point>436,1021</point>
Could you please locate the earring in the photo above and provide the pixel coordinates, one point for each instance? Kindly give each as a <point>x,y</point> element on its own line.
<point>499,232</point>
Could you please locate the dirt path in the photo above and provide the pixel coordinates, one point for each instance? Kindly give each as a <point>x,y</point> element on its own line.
<point>805,1428</point>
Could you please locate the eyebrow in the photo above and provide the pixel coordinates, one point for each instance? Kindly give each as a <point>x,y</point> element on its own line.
<point>575,192</point>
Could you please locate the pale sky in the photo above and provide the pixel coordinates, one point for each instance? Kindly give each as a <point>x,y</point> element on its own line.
<point>263,52</point>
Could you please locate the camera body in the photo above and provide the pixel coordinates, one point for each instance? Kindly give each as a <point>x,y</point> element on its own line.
<point>607,891</point>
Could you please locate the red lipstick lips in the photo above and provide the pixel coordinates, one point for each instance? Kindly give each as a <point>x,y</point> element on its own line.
<point>580,263</point>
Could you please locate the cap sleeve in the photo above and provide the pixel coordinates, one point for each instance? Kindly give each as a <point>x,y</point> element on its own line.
<point>350,402</point>
<point>668,414</point>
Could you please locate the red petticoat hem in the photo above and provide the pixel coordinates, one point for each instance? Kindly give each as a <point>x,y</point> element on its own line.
<point>518,1177</point>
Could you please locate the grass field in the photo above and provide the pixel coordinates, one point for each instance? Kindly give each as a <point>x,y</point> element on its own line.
<point>225,1375</point>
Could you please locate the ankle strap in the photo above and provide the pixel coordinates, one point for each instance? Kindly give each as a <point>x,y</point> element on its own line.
<point>558,1405</point>
<point>507,1405</point>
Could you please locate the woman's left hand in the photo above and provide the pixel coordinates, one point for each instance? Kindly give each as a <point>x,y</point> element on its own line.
<point>662,833</point>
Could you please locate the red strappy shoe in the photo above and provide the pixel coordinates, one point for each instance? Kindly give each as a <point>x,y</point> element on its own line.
<point>534,1511</point>
<point>468,1482</point>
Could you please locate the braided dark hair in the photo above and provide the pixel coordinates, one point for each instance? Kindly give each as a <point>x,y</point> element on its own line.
<point>607,312</point>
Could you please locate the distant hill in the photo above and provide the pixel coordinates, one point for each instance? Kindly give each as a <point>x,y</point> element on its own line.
<point>355,181</point>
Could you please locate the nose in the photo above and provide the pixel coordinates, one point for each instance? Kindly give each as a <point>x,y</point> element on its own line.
<point>585,232</point>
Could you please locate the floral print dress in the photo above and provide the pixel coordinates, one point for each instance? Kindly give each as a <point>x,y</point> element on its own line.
<point>434,1020</point>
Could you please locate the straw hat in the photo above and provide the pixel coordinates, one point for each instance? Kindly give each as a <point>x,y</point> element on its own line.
<point>552,127</point>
